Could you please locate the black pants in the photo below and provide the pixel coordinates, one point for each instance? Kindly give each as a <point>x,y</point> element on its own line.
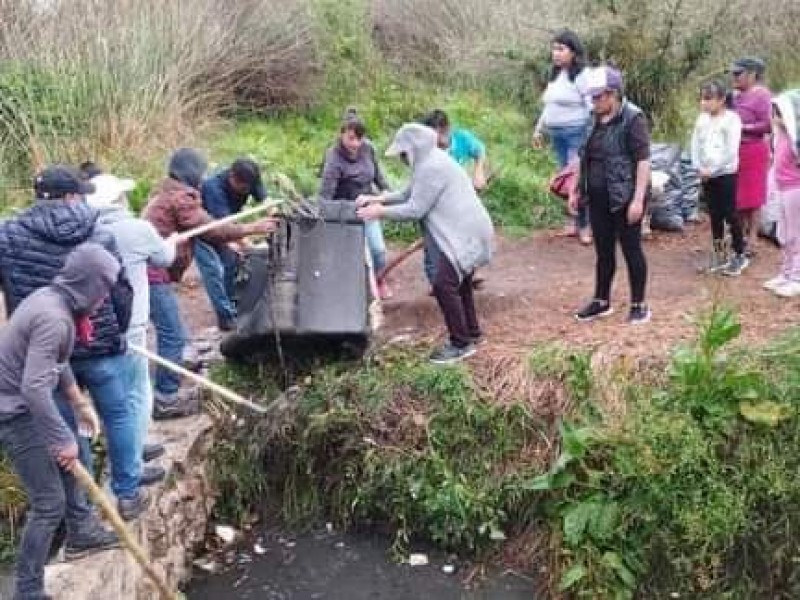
<point>456,302</point>
<point>607,228</point>
<point>720,194</point>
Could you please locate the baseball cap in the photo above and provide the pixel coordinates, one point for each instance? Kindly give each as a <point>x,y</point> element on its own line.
<point>108,190</point>
<point>749,64</point>
<point>603,79</point>
<point>57,181</point>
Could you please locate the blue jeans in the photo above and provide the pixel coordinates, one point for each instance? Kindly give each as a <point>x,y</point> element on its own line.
<point>566,142</point>
<point>140,392</point>
<point>373,231</point>
<point>170,334</point>
<point>108,381</point>
<point>52,495</point>
<point>218,269</point>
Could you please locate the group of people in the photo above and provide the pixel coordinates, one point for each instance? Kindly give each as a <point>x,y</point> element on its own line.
<point>744,147</point>
<point>83,276</point>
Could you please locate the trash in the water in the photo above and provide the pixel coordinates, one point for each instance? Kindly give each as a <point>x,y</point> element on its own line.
<point>329,527</point>
<point>259,549</point>
<point>225,533</point>
<point>291,544</point>
<point>204,564</point>
<point>418,560</point>
<point>245,559</point>
<point>340,545</point>
<point>448,569</point>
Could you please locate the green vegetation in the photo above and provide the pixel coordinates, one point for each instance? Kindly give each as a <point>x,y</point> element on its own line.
<point>691,492</point>
<point>696,493</point>
<point>397,443</point>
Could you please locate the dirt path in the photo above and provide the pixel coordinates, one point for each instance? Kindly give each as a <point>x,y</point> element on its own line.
<point>535,284</point>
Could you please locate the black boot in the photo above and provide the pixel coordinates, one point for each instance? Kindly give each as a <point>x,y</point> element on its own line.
<point>90,538</point>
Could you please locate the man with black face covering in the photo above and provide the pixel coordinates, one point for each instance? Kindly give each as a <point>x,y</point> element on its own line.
<point>176,206</point>
<point>35,348</point>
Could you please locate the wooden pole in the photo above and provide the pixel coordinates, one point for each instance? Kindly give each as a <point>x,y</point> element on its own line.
<point>199,379</point>
<point>400,258</point>
<point>128,541</point>
<point>187,235</point>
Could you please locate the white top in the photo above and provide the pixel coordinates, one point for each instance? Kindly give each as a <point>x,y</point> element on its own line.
<point>715,143</point>
<point>565,102</point>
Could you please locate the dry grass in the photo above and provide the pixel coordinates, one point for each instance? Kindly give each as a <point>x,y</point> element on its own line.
<point>89,78</point>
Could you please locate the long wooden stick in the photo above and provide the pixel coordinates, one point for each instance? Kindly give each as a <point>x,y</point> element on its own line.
<point>186,235</point>
<point>128,541</point>
<point>199,379</point>
<point>400,258</point>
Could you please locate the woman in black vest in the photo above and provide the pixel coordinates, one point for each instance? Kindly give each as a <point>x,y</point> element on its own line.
<point>613,179</point>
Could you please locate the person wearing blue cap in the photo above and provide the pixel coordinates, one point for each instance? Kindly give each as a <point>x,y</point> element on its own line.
<point>613,180</point>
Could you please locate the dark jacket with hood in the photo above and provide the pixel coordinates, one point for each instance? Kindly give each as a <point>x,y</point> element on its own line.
<point>177,206</point>
<point>36,343</point>
<point>33,248</point>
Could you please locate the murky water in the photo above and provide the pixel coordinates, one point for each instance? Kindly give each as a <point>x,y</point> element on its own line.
<point>323,566</point>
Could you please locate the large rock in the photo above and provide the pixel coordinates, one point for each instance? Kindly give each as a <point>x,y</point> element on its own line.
<point>173,526</point>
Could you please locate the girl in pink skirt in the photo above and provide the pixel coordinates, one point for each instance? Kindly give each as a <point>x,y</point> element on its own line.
<point>786,111</point>
<point>752,102</point>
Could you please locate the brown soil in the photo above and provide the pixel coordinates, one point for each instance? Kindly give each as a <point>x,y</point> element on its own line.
<point>535,284</point>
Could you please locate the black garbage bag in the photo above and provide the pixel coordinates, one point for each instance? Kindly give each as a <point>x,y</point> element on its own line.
<point>690,184</point>
<point>666,207</point>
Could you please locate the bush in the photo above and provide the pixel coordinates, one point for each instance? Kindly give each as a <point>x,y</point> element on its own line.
<point>695,494</point>
<point>123,81</point>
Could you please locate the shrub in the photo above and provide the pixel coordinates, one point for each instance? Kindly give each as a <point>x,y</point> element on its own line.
<point>695,494</point>
<point>122,81</point>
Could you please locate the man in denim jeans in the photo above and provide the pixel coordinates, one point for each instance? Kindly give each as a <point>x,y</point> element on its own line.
<point>139,244</point>
<point>33,247</point>
<point>35,347</point>
<point>176,207</point>
<point>225,194</point>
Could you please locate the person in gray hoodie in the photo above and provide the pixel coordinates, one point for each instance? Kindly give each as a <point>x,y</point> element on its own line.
<point>443,198</point>
<point>35,348</point>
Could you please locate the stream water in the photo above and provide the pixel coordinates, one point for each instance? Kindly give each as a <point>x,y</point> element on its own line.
<point>330,566</point>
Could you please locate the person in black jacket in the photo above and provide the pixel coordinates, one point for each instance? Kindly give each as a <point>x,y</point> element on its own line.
<point>33,248</point>
<point>613,179</point>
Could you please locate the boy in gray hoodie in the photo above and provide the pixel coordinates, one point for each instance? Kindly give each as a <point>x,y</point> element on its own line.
<point>35,347</point>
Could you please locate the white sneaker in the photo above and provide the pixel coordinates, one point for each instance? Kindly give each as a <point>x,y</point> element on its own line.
<point>788,290</point>
<point>776,282</point>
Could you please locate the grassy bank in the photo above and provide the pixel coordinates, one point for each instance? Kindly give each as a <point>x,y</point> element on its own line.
<point>686,487</point>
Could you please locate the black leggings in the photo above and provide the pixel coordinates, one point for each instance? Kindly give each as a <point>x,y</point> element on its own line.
<point>607,228</point>
<point>720,193</point>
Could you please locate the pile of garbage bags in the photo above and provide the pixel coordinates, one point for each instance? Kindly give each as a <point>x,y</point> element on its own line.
<point>676,202</point>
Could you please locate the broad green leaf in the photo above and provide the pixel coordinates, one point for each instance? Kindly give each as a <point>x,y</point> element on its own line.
<point>576,519</point>
<point>573,575</point>
<point>765,413</point>
<point>604,521</point>
<point>614,561</point>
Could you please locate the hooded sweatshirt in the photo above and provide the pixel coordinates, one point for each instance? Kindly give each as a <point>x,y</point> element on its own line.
<point>177,206</point>
<point>36,343</point>
<point>139,244</point>
<point>442,196</point>
<point>787,142</point>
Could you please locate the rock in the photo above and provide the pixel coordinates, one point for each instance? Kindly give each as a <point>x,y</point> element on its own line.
<point>226,533</point>
<point>418,560</point>
<point>259,549</point>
